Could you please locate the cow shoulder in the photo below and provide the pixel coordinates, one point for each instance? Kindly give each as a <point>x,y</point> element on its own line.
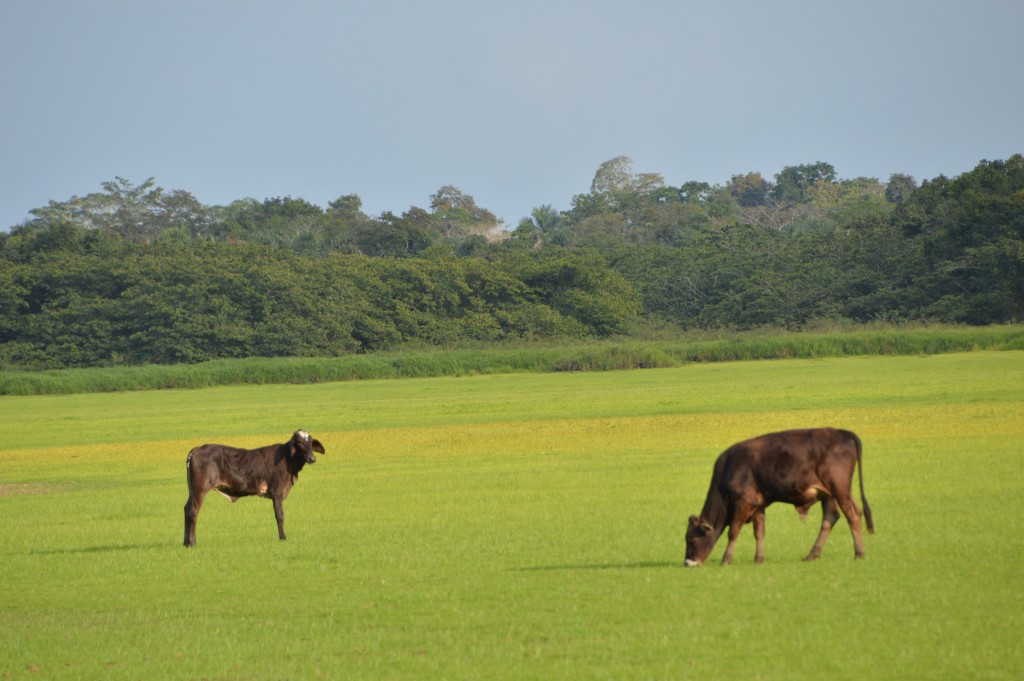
<point>734,469</point>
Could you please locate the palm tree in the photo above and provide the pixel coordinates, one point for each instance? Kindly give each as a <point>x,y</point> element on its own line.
<point>546,225</point>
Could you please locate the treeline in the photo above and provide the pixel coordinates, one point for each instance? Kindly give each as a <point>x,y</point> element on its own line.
<point>583,355</point>
<point>135,274</point>
<point>130,304</point>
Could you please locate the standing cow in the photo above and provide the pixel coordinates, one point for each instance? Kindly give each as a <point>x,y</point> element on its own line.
<point>799,467</point>
<point>269,471</point>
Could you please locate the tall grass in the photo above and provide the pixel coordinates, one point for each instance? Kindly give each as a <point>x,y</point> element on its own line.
<point>540,357</point>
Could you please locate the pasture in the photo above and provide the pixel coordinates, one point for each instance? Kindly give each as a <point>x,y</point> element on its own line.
<point>517,526</point>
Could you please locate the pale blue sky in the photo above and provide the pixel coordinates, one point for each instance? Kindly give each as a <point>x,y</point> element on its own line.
<point>515,103</point>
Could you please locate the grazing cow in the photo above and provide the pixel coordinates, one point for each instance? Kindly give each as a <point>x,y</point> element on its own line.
<point>269,471</point>
<point>798,467</point>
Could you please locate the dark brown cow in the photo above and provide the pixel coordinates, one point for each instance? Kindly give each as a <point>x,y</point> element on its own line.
<point>269,471</point>
<point>798,467</point>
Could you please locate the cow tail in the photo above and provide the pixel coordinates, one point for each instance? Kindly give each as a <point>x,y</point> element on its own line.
<point>860,475</point>
<point>188,472</point>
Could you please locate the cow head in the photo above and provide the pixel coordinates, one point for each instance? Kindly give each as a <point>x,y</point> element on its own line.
<point>303,445</point>
<point>700,539</point>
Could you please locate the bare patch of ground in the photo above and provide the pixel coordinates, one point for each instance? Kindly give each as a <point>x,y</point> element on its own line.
<point>27,488</point>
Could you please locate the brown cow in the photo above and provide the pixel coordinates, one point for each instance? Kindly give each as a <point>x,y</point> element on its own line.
<point>269,471</point>
<point>798,467</point>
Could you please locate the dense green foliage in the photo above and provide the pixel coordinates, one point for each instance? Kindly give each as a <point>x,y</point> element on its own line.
<point>139,275</point>
<point>166,304</point>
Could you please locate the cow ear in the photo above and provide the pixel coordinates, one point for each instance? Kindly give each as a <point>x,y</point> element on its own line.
<point>694,521</point>
<point>317,447</point>
<point>706,526</point>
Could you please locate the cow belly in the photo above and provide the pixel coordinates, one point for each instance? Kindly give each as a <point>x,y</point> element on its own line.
<point>814,493</point>
<point>809,498</point>
<point>261,490</point>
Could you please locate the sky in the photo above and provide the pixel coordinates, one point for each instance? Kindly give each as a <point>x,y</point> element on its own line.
<point>515,103</point>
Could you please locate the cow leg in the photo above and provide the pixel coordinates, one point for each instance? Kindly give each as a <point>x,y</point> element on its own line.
<point>279,514</point>
<point>852,514</point>
<point>740,517</point>
<point>192,506</point>
<point>759,536</point>
<point>734,533</point>
<point>829,516</point>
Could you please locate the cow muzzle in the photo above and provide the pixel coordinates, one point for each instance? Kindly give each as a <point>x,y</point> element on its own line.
<point>690,562</point>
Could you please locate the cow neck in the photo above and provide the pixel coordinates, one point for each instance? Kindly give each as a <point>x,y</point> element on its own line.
<point>292,463</point>
<point>715,510</point>
<point>295,464</point>
<point>716,504</point>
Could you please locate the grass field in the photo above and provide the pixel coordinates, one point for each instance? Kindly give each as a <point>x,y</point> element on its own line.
<point>517,526</point>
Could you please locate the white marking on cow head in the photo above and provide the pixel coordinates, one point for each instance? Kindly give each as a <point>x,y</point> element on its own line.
<point>691,563</point>
<point>303,442</point>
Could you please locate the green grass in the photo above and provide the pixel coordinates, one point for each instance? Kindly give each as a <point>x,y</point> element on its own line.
<point>605,355</point>
<point>517,526</point>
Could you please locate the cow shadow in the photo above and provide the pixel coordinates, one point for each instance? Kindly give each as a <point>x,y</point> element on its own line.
<point>639,565</point>
<point>107,548</point>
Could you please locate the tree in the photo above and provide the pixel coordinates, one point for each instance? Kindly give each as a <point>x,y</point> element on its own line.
<point>135,213</point>
<point>691,192</point>
<point>278,221</point>
<point>131,210</point>
<point>616,189</point>
<point>792,183</point>
<point>59,234</point>
<point>750,189</point>
<point>772,215</point>
<point>396,236</point>
<point>614,178</point>
<point>125,209</point>
<point>179,209</point>
<point>587,206</point>
<point>970,232</point>
<point>900,188</point>
<point>457,214</point>
<point>544,226</point>
<point>347,206</point>
<point>580,288</point>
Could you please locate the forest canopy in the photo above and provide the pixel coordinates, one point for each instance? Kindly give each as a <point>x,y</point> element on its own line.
<point>138,274</point>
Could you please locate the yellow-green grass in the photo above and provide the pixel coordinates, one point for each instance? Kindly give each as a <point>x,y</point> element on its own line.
<point>517,526</point>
